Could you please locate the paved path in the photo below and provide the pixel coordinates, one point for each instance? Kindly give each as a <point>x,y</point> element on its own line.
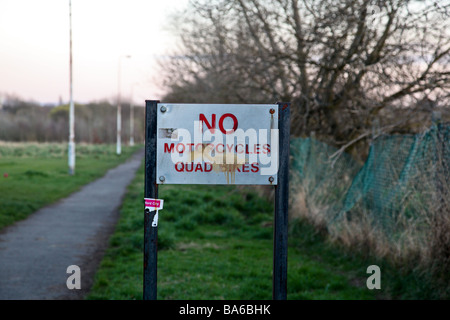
<point>35,253</point>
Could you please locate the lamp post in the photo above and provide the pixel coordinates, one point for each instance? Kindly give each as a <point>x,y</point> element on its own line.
<point>132,116</point>
<point>119,111</point>
<point>131,123</point>
<point>71,151</point>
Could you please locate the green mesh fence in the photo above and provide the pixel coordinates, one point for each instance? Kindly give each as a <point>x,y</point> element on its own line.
<point>404,180</point>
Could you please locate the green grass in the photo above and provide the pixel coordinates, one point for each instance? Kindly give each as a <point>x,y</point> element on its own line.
<point>35,175</point>
<point>215,242</point>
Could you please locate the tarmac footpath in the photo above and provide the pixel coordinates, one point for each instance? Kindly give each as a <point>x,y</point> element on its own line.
<point>35,253</point>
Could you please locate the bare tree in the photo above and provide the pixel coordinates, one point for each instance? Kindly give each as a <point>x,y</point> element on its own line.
<point>343,64</point>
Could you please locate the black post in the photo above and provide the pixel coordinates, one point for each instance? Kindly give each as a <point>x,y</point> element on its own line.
<point>280,238</point>
<point>150,191</point>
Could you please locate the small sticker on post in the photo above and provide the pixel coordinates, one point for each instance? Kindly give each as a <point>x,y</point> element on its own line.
<point>155,219</point>
<point>153,204</point>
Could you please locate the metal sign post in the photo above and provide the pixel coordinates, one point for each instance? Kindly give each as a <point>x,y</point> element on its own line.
<point>280,232</point>
<point>150,191</point>
<point>244,144</point>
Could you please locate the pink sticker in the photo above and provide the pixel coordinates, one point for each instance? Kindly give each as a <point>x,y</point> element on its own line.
<point>153,204</point>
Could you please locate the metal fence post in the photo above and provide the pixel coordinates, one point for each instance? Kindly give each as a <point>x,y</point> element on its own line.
<point>281,206</point>
<point>150,191</point>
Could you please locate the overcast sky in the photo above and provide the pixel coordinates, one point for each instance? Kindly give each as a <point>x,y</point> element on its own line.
<point>34,48</point>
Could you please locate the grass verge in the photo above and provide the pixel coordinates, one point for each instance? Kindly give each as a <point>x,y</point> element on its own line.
<point>35,175</point>
<point>216,243</point>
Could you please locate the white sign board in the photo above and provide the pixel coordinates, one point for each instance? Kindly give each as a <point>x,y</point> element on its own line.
<point>217,144</point>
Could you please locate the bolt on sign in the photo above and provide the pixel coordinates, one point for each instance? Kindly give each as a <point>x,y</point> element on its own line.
<point>239,144</point>
<point>217,144</point>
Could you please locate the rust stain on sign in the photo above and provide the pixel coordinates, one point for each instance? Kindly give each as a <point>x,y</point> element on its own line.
<point>229,168</point>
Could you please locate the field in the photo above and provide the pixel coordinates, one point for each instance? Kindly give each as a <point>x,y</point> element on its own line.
<point>35,175</point>
<point>216,243</point>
